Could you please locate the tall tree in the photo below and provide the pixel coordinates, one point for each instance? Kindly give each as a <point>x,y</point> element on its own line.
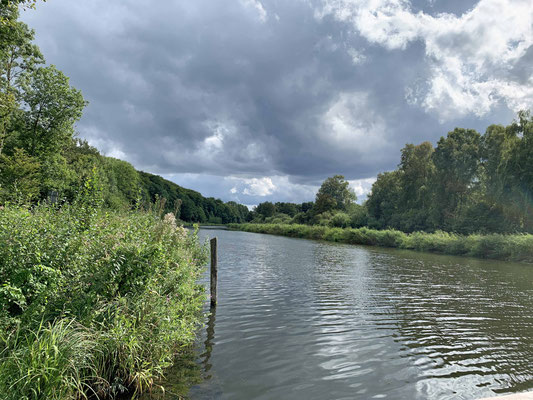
<point>19,177</point>
<point>51,108</point>
<point>456,159</point>
<point>417,170</point>
<point>266,209</point>
<point>18,58</point>
<point>384,200</point>
<point>334,194</point>
<point>519,167</point>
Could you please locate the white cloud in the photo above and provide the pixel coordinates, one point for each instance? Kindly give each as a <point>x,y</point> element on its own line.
<point>220,130</point>
<point>273,188</point>
<point>214,142</point>
<point>362,187</point>
<point>259,187</point>
<point>471,56</point>
<point>108,147</point>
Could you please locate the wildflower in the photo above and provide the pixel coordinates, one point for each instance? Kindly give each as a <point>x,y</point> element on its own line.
<point>170,219</point>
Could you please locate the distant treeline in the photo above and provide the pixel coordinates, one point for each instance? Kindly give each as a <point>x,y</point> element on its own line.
<point>40,157</point>
<point>468,183</point>
<point>189,205</point>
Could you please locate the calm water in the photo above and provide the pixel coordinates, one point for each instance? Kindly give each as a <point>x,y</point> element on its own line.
<point>300,319</point>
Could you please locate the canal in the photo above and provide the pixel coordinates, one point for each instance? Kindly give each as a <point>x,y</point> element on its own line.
<point>300,319</point>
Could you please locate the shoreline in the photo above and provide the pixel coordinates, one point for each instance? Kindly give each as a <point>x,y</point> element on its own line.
<point>514,247</point>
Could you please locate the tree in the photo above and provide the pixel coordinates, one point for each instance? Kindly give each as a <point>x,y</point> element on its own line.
<point>307,206</point>
<point>18,58</point>
<point>384,199</point>
<point>266,209</point>
<point>417,170</point>
<point>457,160</point>
<point>51,108</point>
<point>14,4</point>
<point>123,181</point>
<point>19,180</point>
<point>290,209</point>
<point>334,194</point>
<point>518,168</point>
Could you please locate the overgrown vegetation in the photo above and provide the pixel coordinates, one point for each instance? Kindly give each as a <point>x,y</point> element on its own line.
<point>40,157</point>
<point>96,296</point>
<point>517,247</point>
<point>93,302</point>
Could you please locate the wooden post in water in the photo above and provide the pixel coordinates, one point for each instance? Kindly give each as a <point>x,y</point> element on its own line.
<point>214,272</point>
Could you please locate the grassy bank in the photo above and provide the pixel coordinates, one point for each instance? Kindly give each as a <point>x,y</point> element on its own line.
<point>93,303</point>
<point>517,247</point>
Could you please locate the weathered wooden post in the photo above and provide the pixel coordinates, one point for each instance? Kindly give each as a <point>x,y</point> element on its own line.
<point>214,272</point>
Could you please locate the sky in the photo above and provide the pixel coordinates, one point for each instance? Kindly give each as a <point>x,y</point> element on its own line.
<point>261,100</point>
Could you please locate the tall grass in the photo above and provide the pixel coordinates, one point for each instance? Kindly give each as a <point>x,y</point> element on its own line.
<point>517,247</point>
<point>93,303</point>
<point>57,361</point>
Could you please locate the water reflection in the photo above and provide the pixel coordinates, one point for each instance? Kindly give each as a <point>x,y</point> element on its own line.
<point>307,320</point>
<point>209,341</point>
<point>470,327</point>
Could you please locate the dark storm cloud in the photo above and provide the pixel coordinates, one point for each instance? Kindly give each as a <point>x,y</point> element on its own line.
<point>241,89</point>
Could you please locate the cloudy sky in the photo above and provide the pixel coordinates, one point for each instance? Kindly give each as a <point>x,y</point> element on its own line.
<point>255,100</point>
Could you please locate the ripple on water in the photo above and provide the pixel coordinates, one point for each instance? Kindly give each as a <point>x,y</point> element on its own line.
<point>299,319</point>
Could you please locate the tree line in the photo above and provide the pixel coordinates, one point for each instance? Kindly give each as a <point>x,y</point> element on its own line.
<point>469,182</point>
<point>40,155</point>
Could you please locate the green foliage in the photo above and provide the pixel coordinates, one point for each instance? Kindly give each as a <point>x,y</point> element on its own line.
<point>57,360</point>
<point>278,218</point>
<point>266,209</point>
<point>469,183</point>
<point>51,107</point>
<point>517,247</point>
<point>358,216</point>
<point>19,177</point>
<point>340,220</point>
<point>123,183</point>
<point>384,201</point>
<point>18,59</point>
<point>289,209</point>
<point>334,194</point>
<point>193,206</point>
<point>127,279</point>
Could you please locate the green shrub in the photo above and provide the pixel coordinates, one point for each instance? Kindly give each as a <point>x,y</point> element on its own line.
<point>128,279</point>
<point>518,247</point>
<point>340,220</point>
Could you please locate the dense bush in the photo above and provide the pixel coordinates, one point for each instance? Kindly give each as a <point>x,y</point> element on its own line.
<point>92,301</point>
<point>341,220</point>
<point>518,247</point>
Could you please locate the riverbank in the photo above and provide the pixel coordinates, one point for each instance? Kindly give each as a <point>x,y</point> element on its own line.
<point>92,301</point>
<point>517,247</point>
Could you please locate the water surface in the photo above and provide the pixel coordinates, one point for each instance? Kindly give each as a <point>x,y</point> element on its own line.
<point>300,319</point>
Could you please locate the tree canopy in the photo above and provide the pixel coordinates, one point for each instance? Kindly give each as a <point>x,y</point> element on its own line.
<point>468,183</point>
<point>334,194</point>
